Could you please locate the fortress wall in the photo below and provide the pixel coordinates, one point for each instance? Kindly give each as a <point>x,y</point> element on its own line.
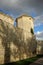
<point>12,45</point>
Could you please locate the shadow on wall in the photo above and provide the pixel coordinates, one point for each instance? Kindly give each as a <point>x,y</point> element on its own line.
<point>15,35</point>
<point>41,49</point>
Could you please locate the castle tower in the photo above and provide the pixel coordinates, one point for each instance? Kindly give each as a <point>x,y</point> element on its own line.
<point>25,22</point>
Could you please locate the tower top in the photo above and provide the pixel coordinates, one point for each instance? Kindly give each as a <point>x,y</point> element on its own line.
<point>30,17</point>
<point>6,18</point>
<point>6,15</point>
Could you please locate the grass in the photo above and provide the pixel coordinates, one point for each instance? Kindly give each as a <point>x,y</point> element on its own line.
<point>25,61</point>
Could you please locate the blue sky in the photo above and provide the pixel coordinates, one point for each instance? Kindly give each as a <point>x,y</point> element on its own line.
<point>33,8</point>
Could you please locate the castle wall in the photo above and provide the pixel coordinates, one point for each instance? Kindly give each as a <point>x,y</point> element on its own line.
<point>12,45</point>
<point>40,47</point>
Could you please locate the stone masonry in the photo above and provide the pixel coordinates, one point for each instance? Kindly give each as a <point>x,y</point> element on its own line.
<point>14,45</point>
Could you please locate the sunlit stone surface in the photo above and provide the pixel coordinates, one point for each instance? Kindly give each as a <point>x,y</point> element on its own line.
<point>15,45</point>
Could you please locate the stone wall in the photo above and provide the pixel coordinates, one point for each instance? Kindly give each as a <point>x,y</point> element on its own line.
<point>40,47</point>
<point>6,18</point>
<point>12,44</point>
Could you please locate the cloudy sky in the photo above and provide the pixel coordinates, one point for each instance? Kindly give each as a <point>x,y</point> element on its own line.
<point>33,8</point>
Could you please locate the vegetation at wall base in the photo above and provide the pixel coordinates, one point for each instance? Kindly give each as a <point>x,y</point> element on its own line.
<point>25,61</point>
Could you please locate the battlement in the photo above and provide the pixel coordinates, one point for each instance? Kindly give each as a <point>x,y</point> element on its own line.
<point>6,18</point>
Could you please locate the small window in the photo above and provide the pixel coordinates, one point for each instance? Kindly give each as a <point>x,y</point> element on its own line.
<point>29,18</point>
<point>32,31</point>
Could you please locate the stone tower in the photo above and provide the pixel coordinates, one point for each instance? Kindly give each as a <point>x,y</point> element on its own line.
<point>25,22</point>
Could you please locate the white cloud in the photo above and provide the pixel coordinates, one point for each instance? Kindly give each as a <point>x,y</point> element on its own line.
<point>38,20</point>
<point>9,3</point>
<point>39,35</point>
<point>38,32</point>
<point>37,24</point>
